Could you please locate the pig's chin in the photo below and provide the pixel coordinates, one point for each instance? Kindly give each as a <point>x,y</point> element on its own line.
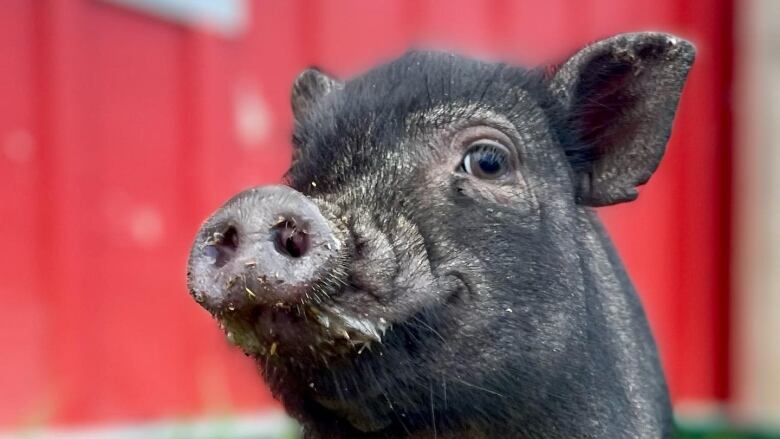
<point>301,332</point>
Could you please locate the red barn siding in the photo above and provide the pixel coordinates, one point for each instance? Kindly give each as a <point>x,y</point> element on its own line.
<point>118,136</point>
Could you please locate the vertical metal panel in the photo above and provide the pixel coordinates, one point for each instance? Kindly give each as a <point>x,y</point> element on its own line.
<point>23,319</point>
<point>704,196</point>
<point>129,109</point>
<point>64,205</point>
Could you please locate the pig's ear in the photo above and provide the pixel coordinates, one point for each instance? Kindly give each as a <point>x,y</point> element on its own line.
<point>309,87</point>
<point>620,95</point>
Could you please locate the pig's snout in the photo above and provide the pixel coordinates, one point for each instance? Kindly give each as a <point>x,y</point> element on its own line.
<point>268,245</point>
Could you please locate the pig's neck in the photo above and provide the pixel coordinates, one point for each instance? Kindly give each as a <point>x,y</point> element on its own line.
<point>623,349</point>
<point>620,390</point>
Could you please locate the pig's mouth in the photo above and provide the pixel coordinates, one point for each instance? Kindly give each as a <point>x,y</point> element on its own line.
<point>301,344</point>
<point>310,329</point>
<point>346,314</point>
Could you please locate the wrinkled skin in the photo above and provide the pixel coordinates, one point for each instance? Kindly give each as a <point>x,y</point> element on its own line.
<point>452,305</point>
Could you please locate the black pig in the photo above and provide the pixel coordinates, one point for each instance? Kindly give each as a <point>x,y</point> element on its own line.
<point>433,268</point>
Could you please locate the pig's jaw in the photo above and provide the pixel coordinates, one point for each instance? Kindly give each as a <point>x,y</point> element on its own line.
<point>306,330</point>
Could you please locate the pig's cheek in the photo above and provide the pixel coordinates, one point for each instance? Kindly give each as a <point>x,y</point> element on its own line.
<point>518,197</point>
<point>374,262</point>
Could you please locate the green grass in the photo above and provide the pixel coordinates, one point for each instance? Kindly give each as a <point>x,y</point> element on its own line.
<point>722,430</point>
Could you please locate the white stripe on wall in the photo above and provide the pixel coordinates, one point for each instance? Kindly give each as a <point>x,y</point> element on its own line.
<point>228,17</point>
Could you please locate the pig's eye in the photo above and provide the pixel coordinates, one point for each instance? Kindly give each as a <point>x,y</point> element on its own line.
<point>487,159</point>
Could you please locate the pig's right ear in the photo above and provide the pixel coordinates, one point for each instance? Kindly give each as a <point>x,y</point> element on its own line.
<point>620,96</point>
<point>310,87</point>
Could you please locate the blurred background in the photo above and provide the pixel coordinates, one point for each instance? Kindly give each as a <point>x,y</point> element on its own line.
<point>123,123</point>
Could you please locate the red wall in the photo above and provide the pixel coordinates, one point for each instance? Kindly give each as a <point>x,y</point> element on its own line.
<point>118,136</point>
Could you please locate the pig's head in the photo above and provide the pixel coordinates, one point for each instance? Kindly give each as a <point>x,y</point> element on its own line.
<point>432,263</point>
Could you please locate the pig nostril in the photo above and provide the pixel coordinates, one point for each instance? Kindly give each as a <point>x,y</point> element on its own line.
<point>290,240</point>
<point>222,246</point>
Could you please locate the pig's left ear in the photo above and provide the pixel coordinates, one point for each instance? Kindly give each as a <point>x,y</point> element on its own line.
<point>310,87</point>
<point>620,95</point>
